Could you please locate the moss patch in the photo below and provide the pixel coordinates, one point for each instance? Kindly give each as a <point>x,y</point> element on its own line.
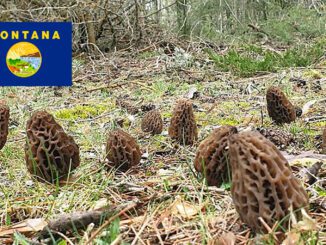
<point>80,112</point>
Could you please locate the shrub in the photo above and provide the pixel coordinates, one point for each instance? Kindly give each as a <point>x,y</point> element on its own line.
<point>253,59</point>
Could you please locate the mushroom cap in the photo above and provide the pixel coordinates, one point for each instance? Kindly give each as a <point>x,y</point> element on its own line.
<point>183,126</point>
<point>212,157</point>
<point>4,124</point>
<point>262,181</point>
<point>50,153</point>
<point>122,150</point>
<point>279,108</point>
<point>152,122</point>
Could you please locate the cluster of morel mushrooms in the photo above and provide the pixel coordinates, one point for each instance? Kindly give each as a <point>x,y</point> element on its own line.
<point>263,185</point>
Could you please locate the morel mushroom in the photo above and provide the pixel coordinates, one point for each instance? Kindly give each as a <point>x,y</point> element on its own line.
<point>50,153</point>
<point>122,150</point>
<point>279,107</point>
<point>212,158</point>
<point>4,121</point>
<point>152,122</point>
<point>262,181</point>
<point>183,126</point>
<point>323,146</point>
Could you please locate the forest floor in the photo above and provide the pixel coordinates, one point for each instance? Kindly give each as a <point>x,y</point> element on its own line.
<point>170,203</point>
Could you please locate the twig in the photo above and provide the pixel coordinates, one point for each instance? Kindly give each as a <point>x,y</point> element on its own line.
<point>140,231</point>
<point>63,236</point>
<point>270,230</point>
<point>106,223</point>
<point>117,240</point>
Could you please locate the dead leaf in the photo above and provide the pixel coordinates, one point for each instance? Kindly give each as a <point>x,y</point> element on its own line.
<point>306,107</point>
<point>192,93</point>
<point>29,225</point>
<point>306,161</point>
<point>226,239</point>
<point>184,209</point>
<point>292,238</point>
<point>306,224</point>
<point>101,203</point>
<point>307,154</point>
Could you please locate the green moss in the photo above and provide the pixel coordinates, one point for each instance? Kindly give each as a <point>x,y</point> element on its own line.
<point>319,124</point>
<point>227,105</point>
<point>244,104</point>
<point>313,74</point>
<point>228,121</point>
<point>321,192</point>
<point>80,112</point>
<point>166,114</point>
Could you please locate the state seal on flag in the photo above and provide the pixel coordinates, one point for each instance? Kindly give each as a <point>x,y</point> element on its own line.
<point>23,59</point>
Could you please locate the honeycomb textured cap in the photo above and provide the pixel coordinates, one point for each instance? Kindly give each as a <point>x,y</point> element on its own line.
<point>4,122</point>
<point>324,142</point>
<point>212,158</point>
<point>122,150</point>
<point>279,107</point>
<point>262,181</point>
<point>50,153</point>
<point>183,126</point>
<point>152,122</point>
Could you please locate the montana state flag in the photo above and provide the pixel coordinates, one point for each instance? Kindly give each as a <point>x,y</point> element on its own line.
<point>35,54</point>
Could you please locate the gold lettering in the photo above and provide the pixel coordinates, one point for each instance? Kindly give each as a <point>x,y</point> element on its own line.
<point>34,35</point>
<point>45,34</point>
<point>4,35</point>
<point>14,34</point>
<point>25,33</point>
<point>56,35</point>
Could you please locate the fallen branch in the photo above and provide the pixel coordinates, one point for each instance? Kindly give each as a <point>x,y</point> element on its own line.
<point>106,223</point>
<point>81,220</point>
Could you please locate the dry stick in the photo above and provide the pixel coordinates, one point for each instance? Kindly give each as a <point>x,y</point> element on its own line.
<point>106,223</point>
<point>146,221</point>
<point>157,231</point>
<point>140,231</point>
<point>135,232</point>
<point>270,230</point>
<point>63,236</point>
<point>117,240</point>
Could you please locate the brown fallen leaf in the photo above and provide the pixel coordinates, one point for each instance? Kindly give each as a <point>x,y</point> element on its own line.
<point>184,209</point>
<point>306,107</point>
<point>292,238</point>
<point>226,239</point>
<point>306,162</point>
<point>304,157</point>
<point>306,224</point>
<point>26,226</point>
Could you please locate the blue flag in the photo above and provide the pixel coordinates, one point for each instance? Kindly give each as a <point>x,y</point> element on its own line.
<point>35,54</point>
